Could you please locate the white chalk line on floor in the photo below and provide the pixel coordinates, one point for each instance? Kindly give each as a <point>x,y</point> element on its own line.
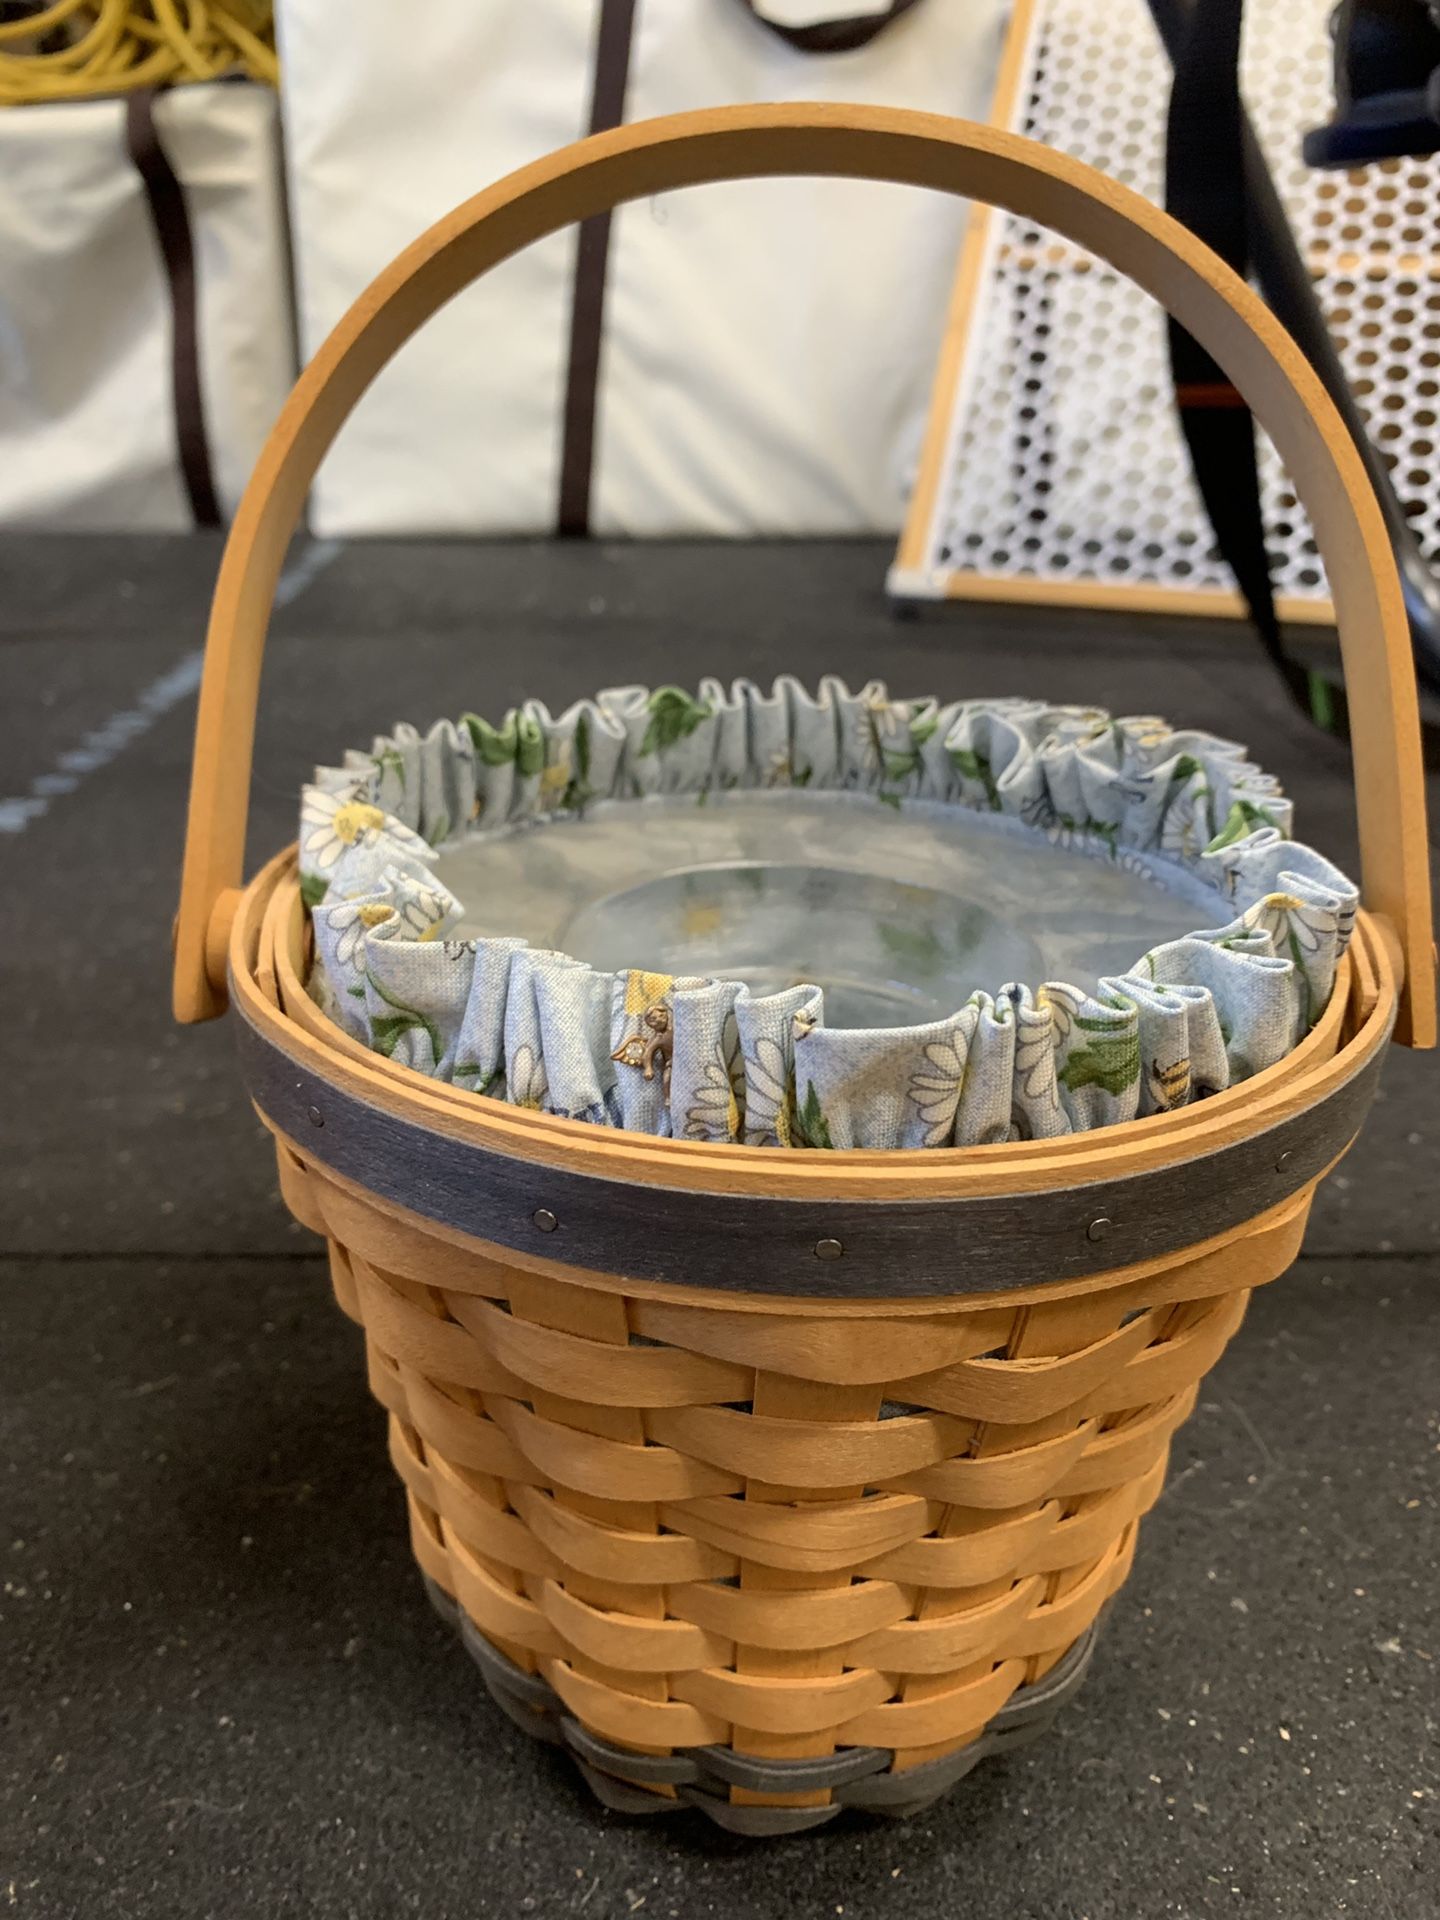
<point>105,743</point>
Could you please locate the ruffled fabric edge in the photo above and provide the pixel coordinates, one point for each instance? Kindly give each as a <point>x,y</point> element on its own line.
<point>706,1059</point>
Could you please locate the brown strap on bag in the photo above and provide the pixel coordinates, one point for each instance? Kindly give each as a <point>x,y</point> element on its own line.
<point>587,312</point>
<point>613,40</point>
<point>171,218</point>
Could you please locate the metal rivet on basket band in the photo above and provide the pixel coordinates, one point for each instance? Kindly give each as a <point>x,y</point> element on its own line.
<point>544,1219</point>
<point>759,1243</point>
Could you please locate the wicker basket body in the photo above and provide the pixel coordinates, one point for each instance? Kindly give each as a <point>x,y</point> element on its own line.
<point>698,1527</point>
<point>774,1556</point>
<point>776,1482</point>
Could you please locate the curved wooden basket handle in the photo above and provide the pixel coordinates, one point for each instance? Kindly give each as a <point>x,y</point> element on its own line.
<point>915,149</point>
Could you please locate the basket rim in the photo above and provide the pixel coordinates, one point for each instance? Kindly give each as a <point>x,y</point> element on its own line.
<point>1206,1266</point>
<point>265,984</point>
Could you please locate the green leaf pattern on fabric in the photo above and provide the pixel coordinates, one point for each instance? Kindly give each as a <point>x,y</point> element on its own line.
<point>495,746</point>
<point>578,791</point>
<point>388,1030</point>
<point>529,747</point>
<point>392,762</point>
<point>1107,832</point>
<point>809,1126</point>
<point>1111,1061</point>
<point>1243,819</point>
<point>674,715</point>
<point>975,765</point>
<point>923,728</point>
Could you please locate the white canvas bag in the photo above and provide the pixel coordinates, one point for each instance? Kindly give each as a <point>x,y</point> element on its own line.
<point>91,436</point>
<point>767,350</point>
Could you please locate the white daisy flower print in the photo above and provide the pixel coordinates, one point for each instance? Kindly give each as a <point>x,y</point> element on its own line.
<point>1146,738</point>
<point>1304,934</point>
<point>332,823</point>
<point>767,1094</point>
<point>1186,828</point>
<point>936,1086</point>
<point>714,1112</point>
<point>1295,926</point>
<point>1034,1056</point>
<point>1062,1004</point>
<point>526,1081</point>
<point>353,920</point>
<point>329,823</point>
<point>422,912</point>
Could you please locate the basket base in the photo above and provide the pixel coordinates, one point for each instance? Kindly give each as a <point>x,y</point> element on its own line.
<point>861,1778</point>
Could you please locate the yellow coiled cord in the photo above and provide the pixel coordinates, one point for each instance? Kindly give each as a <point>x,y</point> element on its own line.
<point>75,49</point>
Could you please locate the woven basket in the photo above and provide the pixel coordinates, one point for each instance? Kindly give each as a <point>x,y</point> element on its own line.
<point>779,1482</point>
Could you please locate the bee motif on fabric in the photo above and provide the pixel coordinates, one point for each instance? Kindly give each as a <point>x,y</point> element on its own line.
<point>1170,1086</point>
<point>656,1042</point>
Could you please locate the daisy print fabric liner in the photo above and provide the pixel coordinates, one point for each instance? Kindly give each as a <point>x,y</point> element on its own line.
<point>818,920</point>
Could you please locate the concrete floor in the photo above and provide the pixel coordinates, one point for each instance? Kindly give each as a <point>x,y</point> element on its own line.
<point>221,1686</point>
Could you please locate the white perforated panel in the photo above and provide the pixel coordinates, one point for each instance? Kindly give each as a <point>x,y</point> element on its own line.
<point>1065,461</point>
